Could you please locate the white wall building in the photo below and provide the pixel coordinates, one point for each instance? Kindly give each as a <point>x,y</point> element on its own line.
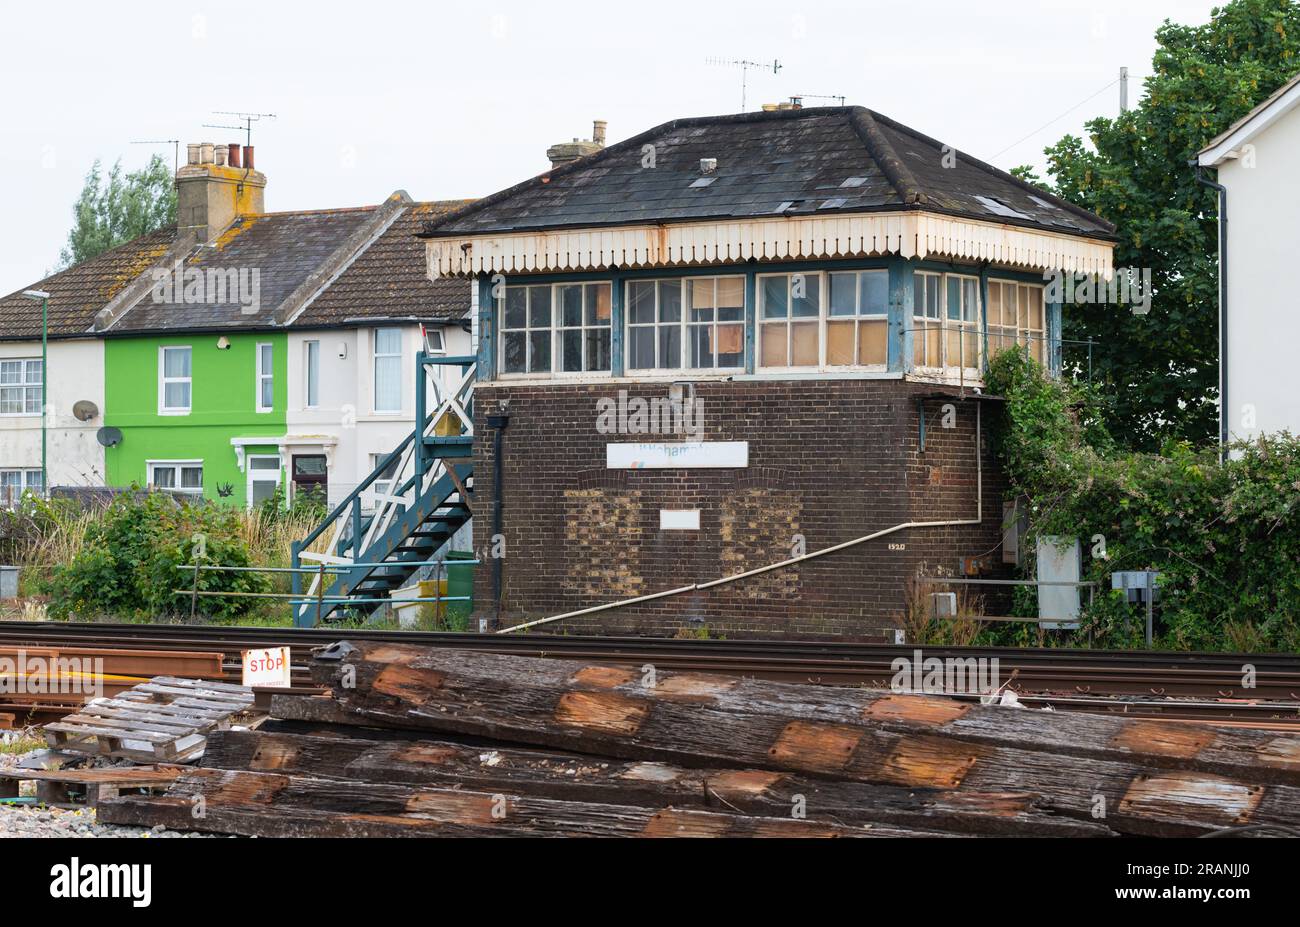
<point>76,378</point>
<point>1258,163</point>
<point>352,395</point>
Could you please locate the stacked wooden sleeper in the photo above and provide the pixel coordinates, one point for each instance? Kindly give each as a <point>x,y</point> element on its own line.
<point>418,741</point>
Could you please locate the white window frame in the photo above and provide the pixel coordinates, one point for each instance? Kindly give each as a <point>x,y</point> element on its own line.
<point>823,319</point>
<point>375,357</point>
<point>857,319</point>
<point>151,466</point>
<point>968,323</point>
<point>249,471</point>
<point>554,328</point>
<point>25,385</point>
<point>683,324</point>
<point>263,376</point>
<point>308,386</point>
<point>164,380</point>
<point>1037,344</point>
<point>27,476</point>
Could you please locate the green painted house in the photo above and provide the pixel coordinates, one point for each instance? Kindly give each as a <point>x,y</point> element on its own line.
<point>194,416</point>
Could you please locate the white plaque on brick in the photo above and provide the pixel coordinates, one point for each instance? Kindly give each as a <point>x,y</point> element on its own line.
<point>686,454</point>
<point>679,519</point>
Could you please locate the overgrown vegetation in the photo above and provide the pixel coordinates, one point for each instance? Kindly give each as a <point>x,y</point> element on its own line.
<point>119,561</point>
<point>1224,536</point>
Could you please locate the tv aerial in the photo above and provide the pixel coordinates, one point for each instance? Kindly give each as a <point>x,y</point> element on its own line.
<point>744,65</point>
<point>176,149</point>
<point>247,118</point>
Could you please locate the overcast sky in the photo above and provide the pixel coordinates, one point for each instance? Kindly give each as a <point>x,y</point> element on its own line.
<point>449,100</point>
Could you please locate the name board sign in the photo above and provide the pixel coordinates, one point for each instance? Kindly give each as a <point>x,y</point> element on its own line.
<point>686,454</point>
<point>268,667</point>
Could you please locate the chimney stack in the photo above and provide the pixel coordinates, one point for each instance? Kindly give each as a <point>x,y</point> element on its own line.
<point>564,152</point>
<point>212,189</point>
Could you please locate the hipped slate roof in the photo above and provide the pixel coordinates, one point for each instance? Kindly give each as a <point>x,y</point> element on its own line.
<point>317,268</point>
<point>822,161</point>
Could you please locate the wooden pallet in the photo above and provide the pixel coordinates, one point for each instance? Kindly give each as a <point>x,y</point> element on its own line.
<point>55,786</point>
<point>164,720</point>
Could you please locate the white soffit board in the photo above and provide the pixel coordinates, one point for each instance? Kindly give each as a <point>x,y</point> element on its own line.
<point>912,234</point>
<point>683,455</point>
<point>679,519</point>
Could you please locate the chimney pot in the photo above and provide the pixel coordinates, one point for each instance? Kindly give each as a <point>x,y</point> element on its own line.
<point>232,157</point>
<point>598,132</point>
<point>219,153</point>
<point>205,153</point>
<point>248,157</point>
<point>192,153</point>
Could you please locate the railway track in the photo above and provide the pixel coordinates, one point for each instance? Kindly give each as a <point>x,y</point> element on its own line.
<point>1176,686</point>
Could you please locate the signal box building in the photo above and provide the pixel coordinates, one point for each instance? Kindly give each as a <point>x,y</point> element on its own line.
<point>747,340</point>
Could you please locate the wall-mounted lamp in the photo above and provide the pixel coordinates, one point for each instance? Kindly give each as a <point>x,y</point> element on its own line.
<point>343,350</point>
<point>223,343</point>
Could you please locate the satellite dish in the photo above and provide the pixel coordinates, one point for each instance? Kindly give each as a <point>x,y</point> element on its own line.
<point>83,410</point>
<point>109,436</point>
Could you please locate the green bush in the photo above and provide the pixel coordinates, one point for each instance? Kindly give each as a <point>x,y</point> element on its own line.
<point>1225,536</point>
<point>128,561</point>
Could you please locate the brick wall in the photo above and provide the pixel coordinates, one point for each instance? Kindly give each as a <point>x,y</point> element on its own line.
<point>829,460</point>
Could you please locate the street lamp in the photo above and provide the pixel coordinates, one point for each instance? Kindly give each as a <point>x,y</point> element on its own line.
<point>44,297</point>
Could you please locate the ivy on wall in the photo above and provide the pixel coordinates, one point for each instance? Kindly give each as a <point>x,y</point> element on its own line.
<point>1224,536</point>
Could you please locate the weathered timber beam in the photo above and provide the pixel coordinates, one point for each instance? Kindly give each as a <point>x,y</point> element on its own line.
<point>571,777</point>
<point>273,805</point>
<point>558,704</point>
<point>1165,778</point>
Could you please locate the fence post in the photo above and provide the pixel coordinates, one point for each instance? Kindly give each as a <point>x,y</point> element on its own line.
<point>194,592</point>
<point>320,591</point>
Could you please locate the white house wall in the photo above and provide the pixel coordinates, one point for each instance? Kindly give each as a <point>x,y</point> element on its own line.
<point>345,412</point>
<point>75,457</point>
<point>1263,306</point>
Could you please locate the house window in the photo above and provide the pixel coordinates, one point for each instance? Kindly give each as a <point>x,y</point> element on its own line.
<point>263,477</point>
<point>563,328</point>
<point>790,308</point>
<point>265,378</point>
<point>174,383</point>
<point>433,341</point>
<point>383,484</point>
<point>691,323</point>
<point>388,370</point>
<point>312,390</point>
<point>946,321</point>
<point>857,323</point>
<point>14,483</point>
<point>177,475</point>
<point>1016,317</point>
<point>20,386</point>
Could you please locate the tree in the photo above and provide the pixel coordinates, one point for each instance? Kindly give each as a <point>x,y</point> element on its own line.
<point>1161,369</point>
<point>115,210</point>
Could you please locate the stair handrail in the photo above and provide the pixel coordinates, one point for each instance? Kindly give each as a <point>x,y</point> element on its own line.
<point>457,400</point>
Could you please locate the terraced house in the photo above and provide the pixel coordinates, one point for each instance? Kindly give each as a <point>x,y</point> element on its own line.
<point>238,353</point>
<point>820,289</point>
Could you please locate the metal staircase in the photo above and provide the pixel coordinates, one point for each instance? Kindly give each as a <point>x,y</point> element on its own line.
<point>379,537</point>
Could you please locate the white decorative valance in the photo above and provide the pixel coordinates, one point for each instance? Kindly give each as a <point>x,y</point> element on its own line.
<point>795,238</point>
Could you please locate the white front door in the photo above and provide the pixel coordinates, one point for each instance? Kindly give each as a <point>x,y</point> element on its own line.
<point>263,477</point>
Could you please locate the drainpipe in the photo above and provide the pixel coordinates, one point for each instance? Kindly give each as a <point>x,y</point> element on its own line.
<point>1223,304</point>
<point>498,422</point>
